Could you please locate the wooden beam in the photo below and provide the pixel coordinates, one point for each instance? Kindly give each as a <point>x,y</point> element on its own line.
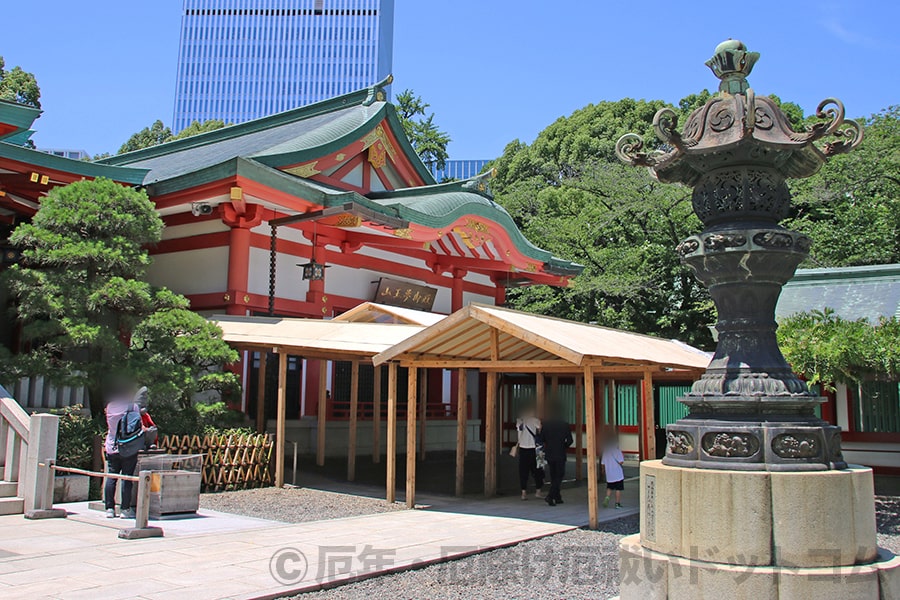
<point>412,391</point>
<point>322,413</point>
<point>648,421</point>
<point>462,421</point>
<point>541,394</point>
<point>391,482</point>
<point>495,345</point>
<point>376,417</point>
<point>579,428</point>
<point>423,407</point>
<point>490,437</point>
<point>593,497</point>
<point>261,393</point>
<point>279,428</point>
<point>559,367</point>
<point>354,416</point>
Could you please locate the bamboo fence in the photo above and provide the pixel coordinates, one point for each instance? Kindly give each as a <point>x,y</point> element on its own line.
<point>230,462</point>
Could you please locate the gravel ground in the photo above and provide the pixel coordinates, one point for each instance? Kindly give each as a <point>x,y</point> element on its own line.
<point>575,564</point>
<point>294,505</point>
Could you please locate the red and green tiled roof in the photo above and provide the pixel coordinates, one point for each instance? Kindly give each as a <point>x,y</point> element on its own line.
<point>258,149</point>
<point>16,118</point>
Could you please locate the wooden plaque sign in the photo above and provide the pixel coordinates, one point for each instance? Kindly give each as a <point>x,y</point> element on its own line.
<point>406,295</point>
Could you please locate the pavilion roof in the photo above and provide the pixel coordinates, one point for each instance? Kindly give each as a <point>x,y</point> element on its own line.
<point>312,338</point>
<point>865,292</point>
<point>497,337</point>
<point>372,312</point>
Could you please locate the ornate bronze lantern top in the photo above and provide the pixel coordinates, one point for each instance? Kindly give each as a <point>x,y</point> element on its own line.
<point>736,126</point>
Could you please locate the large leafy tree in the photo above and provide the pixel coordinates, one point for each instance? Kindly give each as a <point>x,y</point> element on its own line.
<point>20,86</point>
<point>86,311</point>
<point>158,133</point>
<point>851,207</point>
<point>569,194</point>
<point>429,142</point>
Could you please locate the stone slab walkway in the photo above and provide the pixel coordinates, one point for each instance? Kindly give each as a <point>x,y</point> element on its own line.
<point>72,559</point>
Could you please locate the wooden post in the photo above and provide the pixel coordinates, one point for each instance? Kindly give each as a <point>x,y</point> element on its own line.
<point>261,394</point>
<point>423,407</point>
<point>579,428</point>
<point>412,391</point>
<point>392,433</point>
<point>322,413</point>
<point>490,436</point>
<point>541,395</point>
<point>462,421</point>
<point>376,417</point>
<point>593,498</point>
<point>279,428</point>
<point>354,414</point>
<point>648,422</point>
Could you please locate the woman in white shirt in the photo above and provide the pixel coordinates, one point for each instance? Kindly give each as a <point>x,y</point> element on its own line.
<point>528,427</point>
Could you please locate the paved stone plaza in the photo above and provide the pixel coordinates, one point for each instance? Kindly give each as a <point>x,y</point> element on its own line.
<point>228,556</point>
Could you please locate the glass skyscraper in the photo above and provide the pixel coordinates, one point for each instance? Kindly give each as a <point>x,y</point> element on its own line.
<point>458,169</point>
<point>243,59</point>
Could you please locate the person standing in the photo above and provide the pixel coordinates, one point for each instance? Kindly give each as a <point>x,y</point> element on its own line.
<point>528,427</point>
<point>557,437</point>
<point>612,462</point>
<point>120,400</point>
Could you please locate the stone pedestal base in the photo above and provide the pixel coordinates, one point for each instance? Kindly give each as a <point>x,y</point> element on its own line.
<point>756,535</point>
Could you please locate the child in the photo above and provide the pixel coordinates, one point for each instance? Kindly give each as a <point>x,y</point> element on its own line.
<point>615,477</point>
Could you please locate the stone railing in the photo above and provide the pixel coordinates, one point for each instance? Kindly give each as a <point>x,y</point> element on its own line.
<point>38,394</point>
<point>25,441</point>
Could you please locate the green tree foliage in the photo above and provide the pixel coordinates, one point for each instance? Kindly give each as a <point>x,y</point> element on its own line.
<point>429,142</point>
<point>197,127</point>
<point>828,349</point>
<point>20,86</point>
<point>570,195</point>
<point>851,207</point>
<point>158,133</point>
<point>148,136</point>
<point>87,312</point>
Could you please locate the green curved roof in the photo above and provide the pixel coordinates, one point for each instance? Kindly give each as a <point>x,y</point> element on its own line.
<point>286,138</point>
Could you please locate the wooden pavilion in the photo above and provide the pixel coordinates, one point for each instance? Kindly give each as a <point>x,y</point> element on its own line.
<point>495,340</point>
<point>322,340</point>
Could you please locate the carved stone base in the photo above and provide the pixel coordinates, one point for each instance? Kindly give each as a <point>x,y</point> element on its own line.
<point>754,445</point>
<point>756,535</point>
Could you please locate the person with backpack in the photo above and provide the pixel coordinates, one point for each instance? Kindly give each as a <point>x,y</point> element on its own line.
<point>528,427</point>
<point>124,439</point>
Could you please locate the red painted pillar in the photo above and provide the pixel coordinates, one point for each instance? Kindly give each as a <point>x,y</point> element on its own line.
<point>456,290</point>
<point>316,292</point>
<point>499,295</point>
<point>241,218</point>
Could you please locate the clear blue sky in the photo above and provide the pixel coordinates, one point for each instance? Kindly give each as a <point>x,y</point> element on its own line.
<point>492,70</point>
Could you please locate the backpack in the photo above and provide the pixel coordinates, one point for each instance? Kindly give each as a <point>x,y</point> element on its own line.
<point>130,433</point>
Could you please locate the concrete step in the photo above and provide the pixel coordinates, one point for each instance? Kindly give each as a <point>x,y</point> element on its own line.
<point>8,489</point>
<point>12,506</point>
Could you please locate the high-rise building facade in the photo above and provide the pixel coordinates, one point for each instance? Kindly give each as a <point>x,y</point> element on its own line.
<point>458,169</point>
<point>243,59</point>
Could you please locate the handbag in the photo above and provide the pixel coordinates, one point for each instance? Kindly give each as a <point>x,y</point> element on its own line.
<point>514,451</point>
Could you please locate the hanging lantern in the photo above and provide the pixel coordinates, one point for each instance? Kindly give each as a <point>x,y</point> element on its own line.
<point>313,271</point>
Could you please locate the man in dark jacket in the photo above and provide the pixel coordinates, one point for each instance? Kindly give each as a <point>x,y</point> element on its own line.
<point>557,438</point>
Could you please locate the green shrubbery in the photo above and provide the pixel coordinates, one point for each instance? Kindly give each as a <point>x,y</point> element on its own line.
<point>75,446</point>
<point>199,419</point>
